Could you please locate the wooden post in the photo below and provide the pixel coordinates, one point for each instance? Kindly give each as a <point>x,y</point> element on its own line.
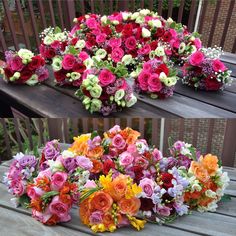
<point>55,129</point>
<point>69,13</point>
<point>229,148</point>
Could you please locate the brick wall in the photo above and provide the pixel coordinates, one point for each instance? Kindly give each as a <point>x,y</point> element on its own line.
<point>208,22</point>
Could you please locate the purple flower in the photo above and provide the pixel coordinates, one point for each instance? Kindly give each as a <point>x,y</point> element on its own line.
<point>96,217</point>
<point>178,145</point>
<point>84,163</point>
<point>180,208</point>
<point>70,164</point>
<point>28,160</point>
<point>51,150</point>
<point>162,210</point>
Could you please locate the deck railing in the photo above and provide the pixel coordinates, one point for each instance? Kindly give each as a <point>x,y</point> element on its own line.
<point>209,135</point>
<point>21,26</point>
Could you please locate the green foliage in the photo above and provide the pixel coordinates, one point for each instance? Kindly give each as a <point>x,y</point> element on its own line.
<point>24,201</point>
<point>225,198</point>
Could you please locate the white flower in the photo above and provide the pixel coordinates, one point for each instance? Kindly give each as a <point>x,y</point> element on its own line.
<point>134,15</point>
<point>88,63</point>
<point>101,53</point>
<point>185,151</point>
<point>162,76</point>
<point>67,154</point>
<point>159,51</point>
<point>33,80</point>
<point>55,165</point>
<point>16,75</point>
<point>48,40</point>
<point>15,201</point>
<point>144,12</point>
<point>127,59</point>
<point>145,33</point>
<point>115,22</point>
<point>119,94</point>
<point>18,156</point>
<point>131,101</point>
<point>126,15</point>
<point>182,47</point>
<point>80,44</point>
<point>210,193</point>
<point>75,75</point>
<point>169,20</point>
<point>56,63</point>
<point>104,19</point>
<point>60,36</point>
<point>25,54</point>
<point>139,20</point>
<point>155,23</point>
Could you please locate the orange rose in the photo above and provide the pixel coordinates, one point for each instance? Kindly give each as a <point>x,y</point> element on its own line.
<point>205,201</point>
<point>97,166</point>
<point>84,211</point>
<point>194,195</point>
<point>118,187</point>
<point>107,219</point>
<point>129,206</point>
<point>101,201</point>
<point>96,152</point>
<point>199,171</point>
<point>210,163</point>
<point>80,148</point>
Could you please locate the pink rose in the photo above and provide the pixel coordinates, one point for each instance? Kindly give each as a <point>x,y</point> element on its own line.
<point>106,77</point>
<point>90,184</point>
<point>68,62</point>
<point>148,187</point>
<point>91,23</point>
<point>163,210</point>
<point>217,65</point>
<point>41,217</point>
<point>84,162</point>
<point>144,50</point>
<point>198,43</point>
<point>173,33</point>
<point>130,43</point>
<point>125,159</point>
<point>34,192</point>
<point>83,55</point>
<point>16,64</point>
<point>18,187</point>
<point>118,142</point>
<point>55,44</point>
<point>154,83</point>
<point>115,42</point>
<point>117,54</point>
<point>143,80</point>
<point>147,66</point>
<point>60,209</point>
<point>46,173</point>
<point>101,38</point>
<point>156,155</point>
<point>196,58</point>
<point>114,129</point>
<point>58,180</point>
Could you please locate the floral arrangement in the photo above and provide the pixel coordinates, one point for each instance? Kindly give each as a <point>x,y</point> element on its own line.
<point>53,42</point>
<point>23,67</point>
<point>111,203</point>
<point>117,180</point>
<point>203,70</point>
<point>21,172</point>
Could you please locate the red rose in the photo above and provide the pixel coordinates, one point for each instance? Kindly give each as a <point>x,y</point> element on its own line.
<point>146,204</point>
<point>212,84</point>
<point>63,46</point>
<point>74,41</point>
<point>160,32</point>
<point>68,61</point>
<point>127,30</point>
<point>60,76</point>
<point>37,61</point>
<point>25,74</point>
<point>49,53</point>
<point>153,45</point>
<point>167,180</point>
<point>55,44</point>
<point>107,165</point>
<point>106,30</point>
<point>138,171</point>
<point>79,67</point>
<point>167,36</point>
<point>8,72</point>
<point>162,68</point>
<point>119,28</point>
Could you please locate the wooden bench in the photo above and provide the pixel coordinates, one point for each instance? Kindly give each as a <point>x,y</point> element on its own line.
<point>49,100</point>
<point>220,223</point>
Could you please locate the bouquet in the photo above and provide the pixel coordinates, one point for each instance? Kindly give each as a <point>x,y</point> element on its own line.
<point>23,67</point>
<point>203,70</point>
<point>21,172</point>
<point>111,203</point>
<point>54,42</point>
<point>156,78</point>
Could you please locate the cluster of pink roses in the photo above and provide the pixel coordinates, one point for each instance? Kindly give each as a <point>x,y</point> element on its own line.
<point>204,71</point>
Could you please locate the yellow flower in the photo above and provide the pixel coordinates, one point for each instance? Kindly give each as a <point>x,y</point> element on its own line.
<point>137,224</point>
<point>136,189</point>
<point>80,145</point>
<point>112,228</point>
<point>105,181</point>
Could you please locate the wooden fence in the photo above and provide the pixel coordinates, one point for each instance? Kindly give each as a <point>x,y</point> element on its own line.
<point>21,27</point>
<point>208,135</point>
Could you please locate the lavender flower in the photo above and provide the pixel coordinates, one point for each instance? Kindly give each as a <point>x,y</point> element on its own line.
<point>52,150</point>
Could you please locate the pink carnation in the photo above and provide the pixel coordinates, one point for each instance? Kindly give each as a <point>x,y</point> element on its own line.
<point>117,54</point>
<point>217,65</point>
<point>106,77</point>
<point>154,83</point>
<point>143,80</point>
<point>144,50</point>
<point>34,192</point>
<point>101,38</point>
<point>196,58</point>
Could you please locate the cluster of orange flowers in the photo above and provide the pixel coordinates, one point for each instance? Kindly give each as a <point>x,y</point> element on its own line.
<point>114,205</point>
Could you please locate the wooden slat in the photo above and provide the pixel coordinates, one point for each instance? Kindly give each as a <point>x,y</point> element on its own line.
<point>55,129</point>
<point>51,13</point>
<point>60,14</point>
<point>167,130</point>
<point>213,26</point>
<point>227,21</point>
<point>11,25</point>
<point>69,13</point>
<point>155,132</point>
<point>110,6</point>
<point>142,3</point>
<point>234,47</point>
<point>150,6</point>
<point>29,132</point>
<point>95,124</point>
<point>170,8</point>
<point>66,130</point>
<point>75,129</point>
<point>41,131</point>
<point>82,7</point>
<point>160,3</point>
<point>22,22</point>
<point>106,124</point>
<point>18,137</point>
<point>101,7</point>
<point>6,139</point>
<point>42,14</point>
<point>85,125</point>
<point>141,126</point>
<point>191,15</point>
<point>202,17</point>
<point>3,42</point>
<point>34,26</point>
<point>229,150</point>
<point>117,121</point>
<point>180,12</point>
<point>92,6</point>
<point>132,5</point>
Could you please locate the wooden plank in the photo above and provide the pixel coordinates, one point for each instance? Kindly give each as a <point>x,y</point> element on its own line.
<point>6,138</point>
<point>195,132</point>
<point>18,137</point>
<point>191,15</point>
<point>202,17</point>
<point>170,8</point>
<point>180,12</point>
<point>51,13</point>
<point>219,99</point>
<point>55,129</point>
<point>155,131</point>
<point>29,132</point>
<point>42,14</point>
<point>60,14</point>
<point>160,3</point>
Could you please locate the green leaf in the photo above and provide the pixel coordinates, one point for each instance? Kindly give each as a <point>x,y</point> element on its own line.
<point>72,50</point>
<point>87,193</point>
<point>225,198</point>
<point>49,194</point>
<point>94,134</point>
<point>57,30</point>
<point>24,200</point>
